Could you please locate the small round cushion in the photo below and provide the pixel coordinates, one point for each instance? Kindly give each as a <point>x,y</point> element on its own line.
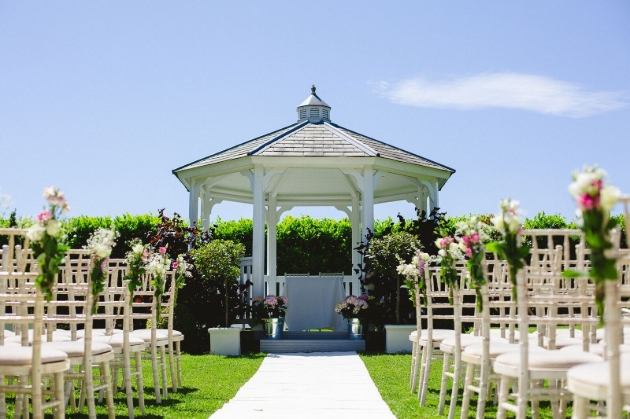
<point>145,334</point>
<point>23,355</point>
<point>595,348</point>
<point>105,331</point>
<point>552,361</point>
<point>448,345</point>
<point>55,338</point>
<point>176,333</point>
<point>562,341</point>
<point>592,380</point>
<point>77,349</point>
<point>97,332</point>
<point>8,333</point>
<point>116,341</point>
<point>497,348</point>
<point>437,335</point>
<point>497,333</point>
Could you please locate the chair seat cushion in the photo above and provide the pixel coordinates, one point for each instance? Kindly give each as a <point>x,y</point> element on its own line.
<point>55,338</point>
<point>176,333</point>
<point>145,334</point>
<point>8,333</point>
<point>592,380</point>
<point>97,332</point>
<point>448,345</point>
<point>497,348</point>
<point>595,348</point>
<point>104,331</point>
<point>552,361</point>
<point>437,336</point>
<point>77,349</point>
<point>116,341</point>
<point>23,355</point>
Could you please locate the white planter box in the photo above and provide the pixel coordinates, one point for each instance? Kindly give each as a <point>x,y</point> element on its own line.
<point>397,338</point>
<point>225,341</point>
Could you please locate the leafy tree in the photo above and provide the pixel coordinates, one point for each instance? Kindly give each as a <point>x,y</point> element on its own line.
<point>218,262</point>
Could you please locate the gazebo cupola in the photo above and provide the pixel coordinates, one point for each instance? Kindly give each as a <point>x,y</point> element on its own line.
<point>313,109</point>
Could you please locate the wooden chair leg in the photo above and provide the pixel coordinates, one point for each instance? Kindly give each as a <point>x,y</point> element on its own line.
<point>427,372</point>
<point>171,363</point>
<point>504,389</point>
<point>140,381</point>
<point>470,373</point>
<point>179,363</point>
<point>60,411</point>
<point>163,370</point>
<point>156,380</point>
<point>455,389</point>
<point>443,386</point>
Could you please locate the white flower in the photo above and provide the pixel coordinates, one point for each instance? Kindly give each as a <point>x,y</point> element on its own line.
<point>425,256</point>
<point>35,233</point>
<point>497,221</point>
<point>609,196</point>
<point>53,227</point>
<point>49,191</point>
<point>102,250</point>
<point>138,248</point>
<point>442,252</point>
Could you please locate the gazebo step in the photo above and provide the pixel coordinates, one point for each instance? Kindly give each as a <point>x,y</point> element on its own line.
<point>314,335</point>
<point>311,345</point>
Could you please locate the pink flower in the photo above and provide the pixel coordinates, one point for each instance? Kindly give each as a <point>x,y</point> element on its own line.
<point>364,297</point>
<point>474,238</point>
<point>44,216</point>
<point>162,250</point>
<point>175,265</point>
<point>467,240</point>
<point>469,252</point>
<point>587,202</point>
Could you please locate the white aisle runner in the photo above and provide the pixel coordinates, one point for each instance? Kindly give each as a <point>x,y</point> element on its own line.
<point>319,385</point>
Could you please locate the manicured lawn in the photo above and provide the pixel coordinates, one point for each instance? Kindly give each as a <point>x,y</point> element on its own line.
<point>390,373</point>
<point>209,381</point>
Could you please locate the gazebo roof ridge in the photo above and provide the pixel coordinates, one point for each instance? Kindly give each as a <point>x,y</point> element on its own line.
<point>394,147</point>
<point>233,147</point>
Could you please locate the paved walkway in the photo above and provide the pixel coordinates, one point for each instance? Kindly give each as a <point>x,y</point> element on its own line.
<point>319,385</point>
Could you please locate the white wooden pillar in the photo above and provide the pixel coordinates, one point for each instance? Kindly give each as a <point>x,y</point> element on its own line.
<point>272,242</point>
<point>367,195</point>
<point>355,219</point>
<point>258,241</point>
<point>193,202</point>
<point>436,189</point>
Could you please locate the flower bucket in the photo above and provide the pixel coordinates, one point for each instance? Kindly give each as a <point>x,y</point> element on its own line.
<point>273,328</point>
<point>354,329</point>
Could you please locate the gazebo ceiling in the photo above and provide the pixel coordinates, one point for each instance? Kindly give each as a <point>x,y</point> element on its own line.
<point>314,160</point>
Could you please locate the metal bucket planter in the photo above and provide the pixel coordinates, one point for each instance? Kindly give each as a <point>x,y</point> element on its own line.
<point>273,328</point>
<point>354,329</point>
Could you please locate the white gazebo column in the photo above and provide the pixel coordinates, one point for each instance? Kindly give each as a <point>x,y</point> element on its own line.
<point>193,202</point>
<point>272,242</point>
<point>355,219</point>
<point>367,195</point>
<point>258,241</point>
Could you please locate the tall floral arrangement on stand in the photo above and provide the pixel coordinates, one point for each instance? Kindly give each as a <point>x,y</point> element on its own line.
<point>595,198</point>
<point>449,254</point>
<point>100,245</point>
<point>508,224</point>
<point>137,259</point>
<point>46,241</point>
<point>472,234</point>
<point>414,274</point>
<point>159,264</point>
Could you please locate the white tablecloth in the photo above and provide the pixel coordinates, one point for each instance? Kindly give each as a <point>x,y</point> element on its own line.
<point>312,302</point>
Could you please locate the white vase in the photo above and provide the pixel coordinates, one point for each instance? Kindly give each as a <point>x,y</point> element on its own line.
<point>225,341</point>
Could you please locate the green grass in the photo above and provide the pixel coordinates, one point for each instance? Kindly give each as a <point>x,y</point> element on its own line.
<point>209,381</point>
<point>390,373</point>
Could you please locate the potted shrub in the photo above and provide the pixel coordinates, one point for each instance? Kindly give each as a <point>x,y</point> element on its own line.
<point>219,261</point>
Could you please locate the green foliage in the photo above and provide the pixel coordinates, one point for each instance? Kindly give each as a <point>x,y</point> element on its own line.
<point>239,231</point>
<point>218,261</point>
<point>383,255</point>
<point>79,229</point>
<point>310,245</point>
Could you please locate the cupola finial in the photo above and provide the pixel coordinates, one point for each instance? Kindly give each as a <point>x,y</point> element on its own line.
<point>313,88</point>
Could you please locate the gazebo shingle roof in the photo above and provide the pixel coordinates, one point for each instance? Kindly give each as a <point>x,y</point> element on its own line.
<point>308,139</point>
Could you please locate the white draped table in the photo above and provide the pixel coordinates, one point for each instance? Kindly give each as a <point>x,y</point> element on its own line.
<point>312,301</point>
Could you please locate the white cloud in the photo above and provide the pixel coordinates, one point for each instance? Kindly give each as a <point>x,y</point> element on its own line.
<point>502,90</point>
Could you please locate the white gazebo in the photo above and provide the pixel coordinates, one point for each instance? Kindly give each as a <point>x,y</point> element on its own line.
<point>312,162</point>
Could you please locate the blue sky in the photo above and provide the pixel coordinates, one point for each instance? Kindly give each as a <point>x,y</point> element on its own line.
<point>104,99</point>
